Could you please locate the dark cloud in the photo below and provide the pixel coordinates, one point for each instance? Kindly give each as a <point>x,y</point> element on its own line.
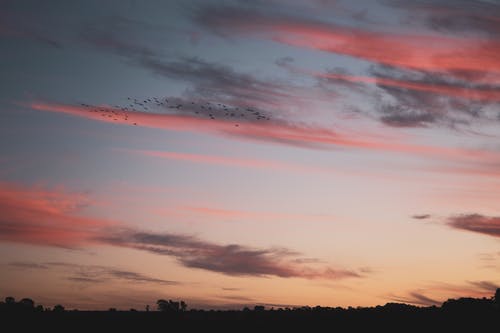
<point>404,94</point>
<point>230,259</point>
<point>57,214</point>
<point>28,265</point>
<point>400,116</point>
<point>485,285</point>
<point>208,81</point>
<point>93,273</point>
<point>136,277</point>
<point>81,279</point>
<point>284,61</point>
<point>413,98</point>
<point>237,298</point>
<point>420,98</point>
<point>28,34</point>
<point>488,225</point>
<point>416,298</point>
<point>21,24</point>
<point>470,288</point>
<point>454,16</point>
<point>421,216</point>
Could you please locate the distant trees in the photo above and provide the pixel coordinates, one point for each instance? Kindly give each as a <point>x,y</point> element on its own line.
<point>460,307</point>
<point>171,306</point>
<point>259,308</point>
<point>27,303</point>
<point>24,305</point>
<point>58,308</point>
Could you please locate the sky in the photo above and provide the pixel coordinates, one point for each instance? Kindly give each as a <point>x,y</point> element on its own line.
<point>235,153</point>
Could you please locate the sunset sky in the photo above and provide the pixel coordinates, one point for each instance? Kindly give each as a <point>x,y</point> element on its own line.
<point>234,153</point>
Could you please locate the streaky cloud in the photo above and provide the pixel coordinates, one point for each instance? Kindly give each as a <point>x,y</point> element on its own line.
<point>421,216</point>
<point>436,53</point>
<point>48,218</point>
<point>487,225</point>
<point>91,274</point>
<point>232,259</point>
<point>277,131</point>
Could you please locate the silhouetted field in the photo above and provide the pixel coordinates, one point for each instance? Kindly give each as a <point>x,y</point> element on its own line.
<point>474,315</point>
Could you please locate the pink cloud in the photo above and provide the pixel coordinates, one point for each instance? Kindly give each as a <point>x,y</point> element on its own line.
<point>429,52</point>
<point>488,225</point>
<point>228,161</point>
<point>271,131</point>
<point>45,217</point>
<point>486,94</point>
<point>49,217</point>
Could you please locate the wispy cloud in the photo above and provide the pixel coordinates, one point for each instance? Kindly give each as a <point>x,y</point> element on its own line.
<point>296,134</point>
<point>24,25</point>
<point>485,285</point>
<point>232,259</point>
<point>436,293</point>
<point>435,53</point>
<point>421,216</point>
<point>485,92</point>
<point>416,298</point>
<point>412,98</point>
<point>45,217</point>
<point>417,79</point>
<point>222,213</point>
<point>227,161</point>
<point>91,274</point>
<point>42,217</point>
<point>27,265</point>
<point>459,17</point>
<point>210,81</point>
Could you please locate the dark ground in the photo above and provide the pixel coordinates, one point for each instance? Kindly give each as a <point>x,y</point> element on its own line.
<point>464,314</point>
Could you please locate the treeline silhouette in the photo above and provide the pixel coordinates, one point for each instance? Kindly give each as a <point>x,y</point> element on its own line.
<point>454,314</point>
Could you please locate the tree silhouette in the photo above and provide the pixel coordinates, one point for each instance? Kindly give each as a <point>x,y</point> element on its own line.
<point>183,306</point>
<point>170,306</point>
<point>162,305</point>
<point>496,298</point>
<point>58,308</point>
<point>452,315</point>
<point>174,305</point>
<point>27,303</point>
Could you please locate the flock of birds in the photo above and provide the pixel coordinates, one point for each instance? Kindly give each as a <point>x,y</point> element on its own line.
<point>174,105</point>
